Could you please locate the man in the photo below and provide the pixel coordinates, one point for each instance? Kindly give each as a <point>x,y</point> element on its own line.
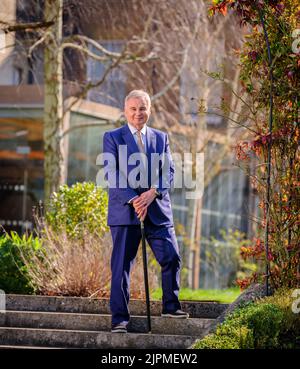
<point>143,199</point>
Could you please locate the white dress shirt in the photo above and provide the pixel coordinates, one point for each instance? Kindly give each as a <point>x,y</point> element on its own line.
<point>133,130</point>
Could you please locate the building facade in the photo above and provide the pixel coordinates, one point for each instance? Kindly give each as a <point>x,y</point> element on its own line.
<point>227,200</point>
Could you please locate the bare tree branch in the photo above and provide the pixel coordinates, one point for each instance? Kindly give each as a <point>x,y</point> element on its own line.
<point>25,26</point>
<point>38,42</point>
<point>66,43</point>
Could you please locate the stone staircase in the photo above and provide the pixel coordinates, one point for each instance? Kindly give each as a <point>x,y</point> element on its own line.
<point>75,322</point>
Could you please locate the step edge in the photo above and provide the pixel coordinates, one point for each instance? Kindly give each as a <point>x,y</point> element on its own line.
<point>94,332</point>
<point>70,314</point>
<point>213,302</point>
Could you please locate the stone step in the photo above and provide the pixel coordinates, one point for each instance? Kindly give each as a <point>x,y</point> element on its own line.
<point>97,322</point>
<point>196,309</point>
<point>10,347</point>
<point>90,339</point>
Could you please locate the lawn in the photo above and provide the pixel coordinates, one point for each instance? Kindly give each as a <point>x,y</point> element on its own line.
<point>225,296</point>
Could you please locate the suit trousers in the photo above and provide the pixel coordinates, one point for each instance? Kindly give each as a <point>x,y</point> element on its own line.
<point>163,243</point>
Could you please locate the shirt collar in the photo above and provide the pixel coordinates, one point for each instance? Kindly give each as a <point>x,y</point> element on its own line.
<point>133,130</point>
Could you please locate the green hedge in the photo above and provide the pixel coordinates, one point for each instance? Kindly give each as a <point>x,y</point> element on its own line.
<point>269,323</point>
<point>13,273</point>
<point>81,207</point>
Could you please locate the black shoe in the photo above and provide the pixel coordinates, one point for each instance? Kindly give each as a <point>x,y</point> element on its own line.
<point>176,314</point>
<point>119,328</point>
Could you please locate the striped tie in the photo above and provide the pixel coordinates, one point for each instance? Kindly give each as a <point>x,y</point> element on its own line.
<point>140,142</point>
<point>141,148</point>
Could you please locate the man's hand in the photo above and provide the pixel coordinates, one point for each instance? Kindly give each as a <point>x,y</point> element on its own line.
<point>142,214</point>
<point>141,203</point>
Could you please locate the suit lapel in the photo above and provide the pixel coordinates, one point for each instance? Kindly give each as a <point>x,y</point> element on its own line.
<point>151,142</point>
<point>151,148</point>
<point>129,140</point>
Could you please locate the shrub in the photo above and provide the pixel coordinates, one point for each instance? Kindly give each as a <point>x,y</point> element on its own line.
<point>68,267</point>
<point>268,323</point>
<point>218,342</point>
<point>276,177</point>
<point>83,206</point>
<point>14,277</point>
<point>289,335</point>
<point>265,321</point>
<point>78,267</point>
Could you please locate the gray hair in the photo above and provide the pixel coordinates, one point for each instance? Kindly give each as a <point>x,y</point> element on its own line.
<point>140,94</point>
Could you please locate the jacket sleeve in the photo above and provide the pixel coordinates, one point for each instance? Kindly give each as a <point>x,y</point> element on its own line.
<point>166,173</point>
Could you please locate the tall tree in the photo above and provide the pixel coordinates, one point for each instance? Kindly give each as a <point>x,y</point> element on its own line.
<point>53,95</point>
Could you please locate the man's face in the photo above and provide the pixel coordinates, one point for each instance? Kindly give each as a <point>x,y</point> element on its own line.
<point>137,112</point>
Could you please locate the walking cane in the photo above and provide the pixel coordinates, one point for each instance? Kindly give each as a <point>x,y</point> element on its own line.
<point>146,275</point>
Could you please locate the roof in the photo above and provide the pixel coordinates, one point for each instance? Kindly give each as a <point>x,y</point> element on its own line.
<point>31,99</point>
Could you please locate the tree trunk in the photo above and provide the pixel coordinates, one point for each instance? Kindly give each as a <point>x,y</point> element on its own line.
<point>53,99</point>
<point>196,283</point>
<point>196,215</point>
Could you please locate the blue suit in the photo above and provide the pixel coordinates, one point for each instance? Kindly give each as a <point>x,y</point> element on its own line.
<point>125,225</point>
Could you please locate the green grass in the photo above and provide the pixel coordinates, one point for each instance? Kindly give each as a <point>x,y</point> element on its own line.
<point>225,296</point>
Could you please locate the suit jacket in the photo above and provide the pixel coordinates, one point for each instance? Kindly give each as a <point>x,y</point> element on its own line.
<point>120,212</point>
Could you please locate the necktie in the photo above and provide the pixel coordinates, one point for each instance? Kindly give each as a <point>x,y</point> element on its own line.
<point>141,148</point>
<point>140,142</point>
